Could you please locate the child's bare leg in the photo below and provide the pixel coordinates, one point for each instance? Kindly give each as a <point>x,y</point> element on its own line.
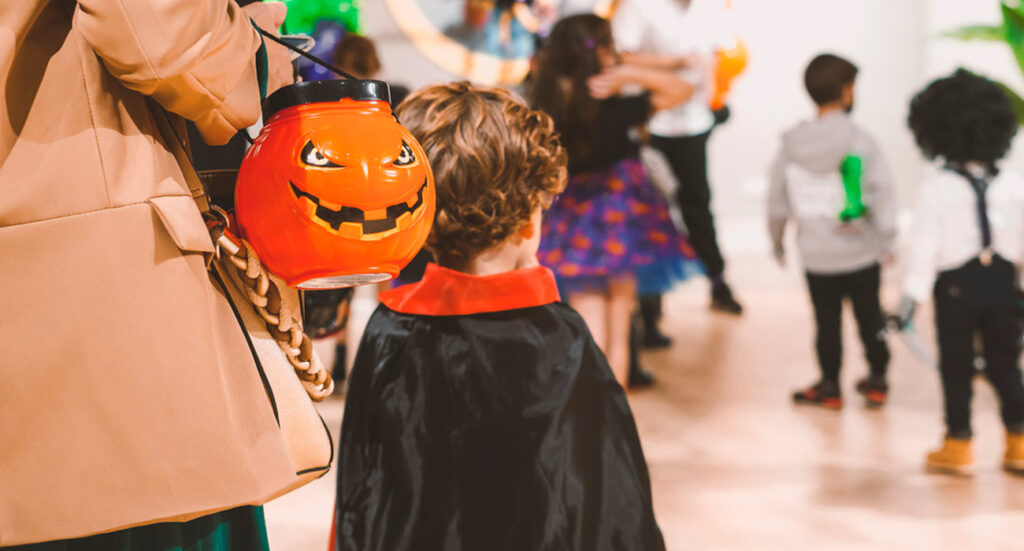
<point>593,308</point>
<point>620,304</point>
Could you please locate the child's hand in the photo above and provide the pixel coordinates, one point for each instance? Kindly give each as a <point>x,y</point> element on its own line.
<point>904,317</point>
<point>853,228</point>
<point>780,255</point>
<point>269,16</point>
<point>607,83</point>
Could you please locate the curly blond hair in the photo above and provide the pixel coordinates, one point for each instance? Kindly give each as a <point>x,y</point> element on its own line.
<point>495,161</point>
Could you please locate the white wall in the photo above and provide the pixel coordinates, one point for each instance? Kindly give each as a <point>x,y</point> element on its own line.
<point>882,37</point>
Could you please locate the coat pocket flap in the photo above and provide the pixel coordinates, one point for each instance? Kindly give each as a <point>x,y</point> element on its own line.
<point>181,218</point>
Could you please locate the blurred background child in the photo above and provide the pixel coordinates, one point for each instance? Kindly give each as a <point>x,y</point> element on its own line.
<point>967,244</point>
<point>610,231</point>
<point>480,413</point>
<point>831,179</point>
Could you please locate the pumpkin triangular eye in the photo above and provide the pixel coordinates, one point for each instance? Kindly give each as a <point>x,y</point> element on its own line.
<point>405,157</point>
<point>313,157</point>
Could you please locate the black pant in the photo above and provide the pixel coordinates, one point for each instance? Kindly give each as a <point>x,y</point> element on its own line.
<point>688,157</point>
<point>827,294</point>
<point>978,299</point>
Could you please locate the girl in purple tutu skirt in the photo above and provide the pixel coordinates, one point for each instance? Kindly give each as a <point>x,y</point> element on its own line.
<point>609,234</point>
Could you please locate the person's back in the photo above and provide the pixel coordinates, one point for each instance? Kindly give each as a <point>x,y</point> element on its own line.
<point>129,393</point>
<point>810,166</point>
<point>480,412</point>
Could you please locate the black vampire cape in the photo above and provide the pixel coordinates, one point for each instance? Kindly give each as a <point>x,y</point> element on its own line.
<point>481,416</point>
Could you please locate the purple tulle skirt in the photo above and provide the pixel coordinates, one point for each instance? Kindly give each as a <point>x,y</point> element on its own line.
<point>611,224</point>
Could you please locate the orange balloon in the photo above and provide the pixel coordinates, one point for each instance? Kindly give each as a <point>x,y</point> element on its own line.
<point>334,191</point>
<point>729,63</point>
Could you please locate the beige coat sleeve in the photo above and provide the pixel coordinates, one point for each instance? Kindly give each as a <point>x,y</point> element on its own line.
<point>194,57</point>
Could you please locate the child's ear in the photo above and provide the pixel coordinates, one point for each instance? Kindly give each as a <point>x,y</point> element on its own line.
<point>528,231</point>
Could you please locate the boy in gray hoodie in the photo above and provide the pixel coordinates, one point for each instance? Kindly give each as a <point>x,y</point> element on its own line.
<point>831,180</point>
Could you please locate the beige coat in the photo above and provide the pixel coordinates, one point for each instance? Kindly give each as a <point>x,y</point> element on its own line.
<point>128,393</point>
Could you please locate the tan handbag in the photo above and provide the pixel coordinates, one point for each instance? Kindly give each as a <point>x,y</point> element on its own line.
<point>269,313</point>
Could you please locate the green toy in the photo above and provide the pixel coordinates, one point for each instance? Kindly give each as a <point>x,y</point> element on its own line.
<point>303,15</point>
<point>851,169</point>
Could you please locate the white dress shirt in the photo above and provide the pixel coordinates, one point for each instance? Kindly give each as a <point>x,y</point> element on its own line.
<point>946,232</point>
<point>670,27</point>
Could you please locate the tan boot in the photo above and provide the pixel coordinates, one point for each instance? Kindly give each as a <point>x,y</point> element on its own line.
<point>955,457</point>
<point>1013,460</point>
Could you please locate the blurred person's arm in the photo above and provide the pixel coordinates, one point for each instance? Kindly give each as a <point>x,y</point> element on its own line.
<point>779,209</point>
<point>667,90</point>
<point>659,61</point>
<point>197,58</point>
<point>526,17</point>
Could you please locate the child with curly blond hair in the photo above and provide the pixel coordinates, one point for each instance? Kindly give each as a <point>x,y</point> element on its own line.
<point>480,413</point>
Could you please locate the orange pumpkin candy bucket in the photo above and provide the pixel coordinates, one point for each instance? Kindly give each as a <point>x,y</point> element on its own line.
<point>334,191</point>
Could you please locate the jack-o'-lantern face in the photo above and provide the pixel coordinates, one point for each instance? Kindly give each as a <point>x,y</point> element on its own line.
<point>335,193</point>
<point>394,175</point>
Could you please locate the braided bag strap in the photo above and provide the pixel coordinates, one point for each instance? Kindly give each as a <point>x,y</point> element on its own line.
<point>261,291</point>
<point>265,298</point>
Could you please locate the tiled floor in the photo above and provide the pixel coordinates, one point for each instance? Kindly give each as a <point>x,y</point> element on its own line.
<point>736,467</point>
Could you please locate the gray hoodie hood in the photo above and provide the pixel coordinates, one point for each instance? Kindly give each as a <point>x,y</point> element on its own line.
<point>806,188</point>
<point>819,145</point>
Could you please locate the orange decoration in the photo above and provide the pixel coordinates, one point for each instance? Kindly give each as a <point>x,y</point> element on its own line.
<point>580,242</point>
<point>614,217</point>
<point>729,63</point>
<point>334,192</point>
<point>639,209</point>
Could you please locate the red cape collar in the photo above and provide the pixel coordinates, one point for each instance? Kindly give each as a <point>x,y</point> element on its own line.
<point>444,292</point>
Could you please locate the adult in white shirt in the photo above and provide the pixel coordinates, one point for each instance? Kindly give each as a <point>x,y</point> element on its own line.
<point>967,244</point>
<point>682,36</point>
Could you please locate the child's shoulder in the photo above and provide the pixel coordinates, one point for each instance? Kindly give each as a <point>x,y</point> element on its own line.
<point>939,182</point>
<point>832,128</point>
<point>397,324</point>
<point>388,323</point>
<point>1010,186</point>
<point>1011,176</point>
<point>863,142</point>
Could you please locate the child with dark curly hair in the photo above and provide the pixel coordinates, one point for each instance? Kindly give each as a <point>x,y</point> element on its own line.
<point>480,412</point>
<point>967,240</point>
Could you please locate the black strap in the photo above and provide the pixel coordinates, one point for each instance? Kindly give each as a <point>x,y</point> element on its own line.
<point>306,54</point>
<point>312,58</point>
<point>980,186</point>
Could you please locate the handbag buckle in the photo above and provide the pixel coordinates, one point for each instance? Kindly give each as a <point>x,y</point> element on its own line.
<point>218,223</point>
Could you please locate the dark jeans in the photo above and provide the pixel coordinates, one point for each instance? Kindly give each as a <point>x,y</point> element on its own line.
<point>688,157</point>
<point>975,299</point>
<point>827,294</point>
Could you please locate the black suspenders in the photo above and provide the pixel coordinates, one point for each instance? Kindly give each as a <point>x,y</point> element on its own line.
<point>980,186</point>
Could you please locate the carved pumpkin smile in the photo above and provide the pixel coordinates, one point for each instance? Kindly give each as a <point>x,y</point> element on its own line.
<point>356,223</point>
